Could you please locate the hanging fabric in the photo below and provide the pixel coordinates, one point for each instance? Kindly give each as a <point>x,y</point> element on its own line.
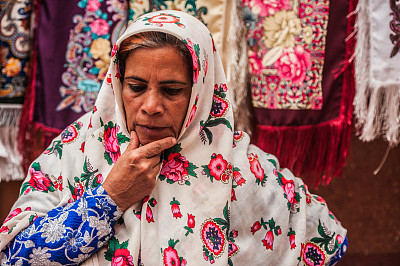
<point>301,82</point>
<point>377,70</point>
<point>15,19</point>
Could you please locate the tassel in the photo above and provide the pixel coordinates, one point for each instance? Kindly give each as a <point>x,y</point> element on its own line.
<point>10,158</point>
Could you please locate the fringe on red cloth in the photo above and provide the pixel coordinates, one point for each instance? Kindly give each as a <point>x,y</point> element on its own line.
<point>33,138</point>
<point>317,153</point>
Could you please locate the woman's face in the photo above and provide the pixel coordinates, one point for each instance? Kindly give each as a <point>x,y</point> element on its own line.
<point>156,92</point>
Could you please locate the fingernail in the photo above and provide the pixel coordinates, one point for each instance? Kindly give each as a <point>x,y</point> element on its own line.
<point>173,140</point>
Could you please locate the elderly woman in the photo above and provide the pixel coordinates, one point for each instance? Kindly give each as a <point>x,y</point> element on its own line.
<point>155,174</point>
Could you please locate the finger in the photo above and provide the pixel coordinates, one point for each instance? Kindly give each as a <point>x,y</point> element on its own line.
<point>155,148</point>
<point>134,142</point>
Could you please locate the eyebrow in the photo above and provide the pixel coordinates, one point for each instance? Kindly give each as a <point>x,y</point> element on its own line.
<point>170,81</point>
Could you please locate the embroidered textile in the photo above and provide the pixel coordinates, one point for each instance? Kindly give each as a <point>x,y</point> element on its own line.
<point>14,66</point>
<point>200,211</point>
<point>301,93</point>
<point>377,98</point>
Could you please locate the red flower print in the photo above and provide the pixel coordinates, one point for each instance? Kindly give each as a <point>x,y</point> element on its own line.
<point>12,214</point>
<point>238,178</point>
<point>149,214</point>
<point>4,229</point>
<point>59,183</point>
<point>99,178</point>
<point>288,187</point>
<point>233,195</point>
<point>191,221</point>
<point>268,241</point>
<point>82,149</point>
<point>176,211</point>
<point>78,191</point>
<point>217,166</point>
<point>339,239</point>
<point>278,231</point>
<point>195,60</point>
<point>256,226</point>
<point>256,169</point>
<point>175,168</point>
<point>113,52</point>
<point>320,199</point>
<point>122,257</point>
<point>171,257</point>
<point>111,143</point>
<point>99,26</point>
<point>164,18</point>
<point>192,112</point>
<point>292,239</point>
<point>38,181</point>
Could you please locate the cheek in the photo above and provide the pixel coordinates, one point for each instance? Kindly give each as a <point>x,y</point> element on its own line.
<point>130,111</point>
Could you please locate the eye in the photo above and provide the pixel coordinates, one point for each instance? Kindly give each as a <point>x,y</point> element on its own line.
<point>137,88</point>
<point>171,91</point>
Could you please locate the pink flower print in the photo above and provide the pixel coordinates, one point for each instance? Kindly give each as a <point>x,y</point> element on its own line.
<point>238,178</point>
<point>191,221</point>
<point>268,241</point>
<point>59,183</point>
<point>111,143</point>
<point>268,7</point>
<point>255,167</point>
<point>122,257</point>
<point>149,214</point>
<point>193,111</point>
<point>171,257</point>
<point>12,214</point>
<point>93,5</point>
<point>309,252</point>
<point>292,239</point>
<point>320,199</point>
<point>339,239</point>
<point>195,60</point>
<point>256,226</point>
<point>234,233</point>
<point>288,187</point>
<point>278,231</point>
<point>38,181</point>
<point>293,64</point>
<point>175,168</point>
<point>100,27</point>
<point>4,229</point>
<point>217,166</point>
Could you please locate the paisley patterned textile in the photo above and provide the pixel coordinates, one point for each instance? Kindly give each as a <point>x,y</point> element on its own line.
<point>217,199</point>
<point>75,42</point>
<point>302,101</point>
<point>377,68</point>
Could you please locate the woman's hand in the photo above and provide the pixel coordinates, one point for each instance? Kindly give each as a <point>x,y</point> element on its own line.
<point>134,174</point>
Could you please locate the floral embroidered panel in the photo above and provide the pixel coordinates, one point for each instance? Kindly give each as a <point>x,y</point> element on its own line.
<point>286,52</point>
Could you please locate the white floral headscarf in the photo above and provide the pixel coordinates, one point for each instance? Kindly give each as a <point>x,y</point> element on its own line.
<point>217,199</point>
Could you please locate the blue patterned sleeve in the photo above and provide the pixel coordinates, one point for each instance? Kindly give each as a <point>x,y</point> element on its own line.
<point>67,235</point>
<point>339,253</point>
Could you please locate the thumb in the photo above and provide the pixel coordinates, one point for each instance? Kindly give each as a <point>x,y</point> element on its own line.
<point>134,142</point>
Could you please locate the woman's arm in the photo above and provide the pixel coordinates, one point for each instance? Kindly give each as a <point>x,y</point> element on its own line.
<point>67,235</point>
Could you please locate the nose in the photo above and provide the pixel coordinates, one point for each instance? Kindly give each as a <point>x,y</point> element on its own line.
<point>153,103</point>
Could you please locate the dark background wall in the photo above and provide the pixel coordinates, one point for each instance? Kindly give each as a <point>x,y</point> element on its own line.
<point>367,205</point>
